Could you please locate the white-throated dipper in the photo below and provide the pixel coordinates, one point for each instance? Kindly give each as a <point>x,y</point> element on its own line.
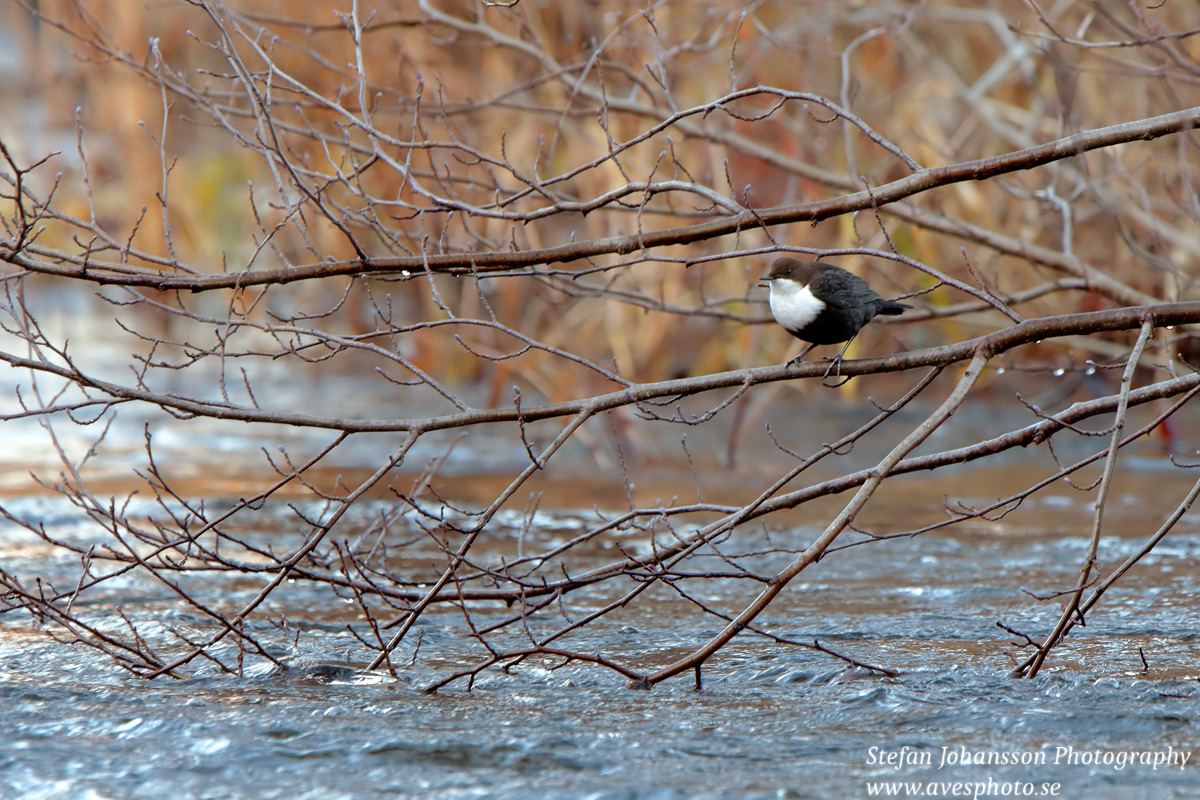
<point>823,304</point>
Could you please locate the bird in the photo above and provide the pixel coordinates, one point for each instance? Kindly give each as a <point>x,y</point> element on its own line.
<point>822,304</point>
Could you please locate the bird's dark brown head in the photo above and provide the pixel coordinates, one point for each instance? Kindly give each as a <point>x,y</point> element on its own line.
<point>802,272</point>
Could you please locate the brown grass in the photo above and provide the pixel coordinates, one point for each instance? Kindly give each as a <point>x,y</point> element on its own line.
<point>955,82</point>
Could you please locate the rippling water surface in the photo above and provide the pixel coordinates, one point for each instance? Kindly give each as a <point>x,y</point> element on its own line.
<point>770,721</point>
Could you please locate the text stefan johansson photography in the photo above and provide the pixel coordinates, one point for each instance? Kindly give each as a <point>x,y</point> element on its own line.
<point>1066,755</point>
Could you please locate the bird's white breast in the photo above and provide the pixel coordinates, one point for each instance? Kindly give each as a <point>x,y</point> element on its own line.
<point>793,305</point>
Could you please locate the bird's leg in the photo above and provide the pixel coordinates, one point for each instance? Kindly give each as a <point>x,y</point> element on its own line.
<point>800,357</point>
<point>836,366</point>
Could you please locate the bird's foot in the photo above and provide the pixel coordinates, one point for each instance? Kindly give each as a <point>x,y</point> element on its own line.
<point>801,356</point>
<point>835,367</point>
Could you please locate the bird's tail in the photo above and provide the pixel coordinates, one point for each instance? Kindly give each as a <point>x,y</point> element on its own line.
<point>892,308</point>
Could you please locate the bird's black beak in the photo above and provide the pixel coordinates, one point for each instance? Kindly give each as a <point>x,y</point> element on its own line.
<point>766,281</point>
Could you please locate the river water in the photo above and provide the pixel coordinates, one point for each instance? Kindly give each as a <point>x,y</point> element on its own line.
<point>1112,716</point>
<point>770,721</point>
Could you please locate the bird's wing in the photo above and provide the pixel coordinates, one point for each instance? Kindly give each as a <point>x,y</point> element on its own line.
<point>844,291</point>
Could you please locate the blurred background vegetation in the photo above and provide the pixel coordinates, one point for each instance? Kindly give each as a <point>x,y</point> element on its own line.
<point>524,85</point>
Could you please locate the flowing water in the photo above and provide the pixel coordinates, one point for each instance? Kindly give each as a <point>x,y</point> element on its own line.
<point>771,720</point>
<point>1112,716</point>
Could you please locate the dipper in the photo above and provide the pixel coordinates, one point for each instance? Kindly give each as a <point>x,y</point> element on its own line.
<point>823,304</point>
